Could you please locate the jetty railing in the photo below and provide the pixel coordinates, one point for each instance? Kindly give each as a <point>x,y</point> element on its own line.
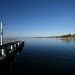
<point>10,47</point>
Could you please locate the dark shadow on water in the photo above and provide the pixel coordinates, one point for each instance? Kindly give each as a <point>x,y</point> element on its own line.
<point>7,64</point>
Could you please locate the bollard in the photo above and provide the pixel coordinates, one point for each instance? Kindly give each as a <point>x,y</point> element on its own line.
<point>3,51</point>
<point>3,54</point>
<point>18,44</point>
<point>11,47</point>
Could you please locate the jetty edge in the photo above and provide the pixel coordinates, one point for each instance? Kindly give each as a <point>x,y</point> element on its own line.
<point>10,47</point>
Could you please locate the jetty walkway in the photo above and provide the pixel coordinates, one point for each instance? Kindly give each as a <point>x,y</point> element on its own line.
<point>8,47</point>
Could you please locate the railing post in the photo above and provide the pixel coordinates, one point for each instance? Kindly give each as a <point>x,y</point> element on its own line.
<point>11,47</point>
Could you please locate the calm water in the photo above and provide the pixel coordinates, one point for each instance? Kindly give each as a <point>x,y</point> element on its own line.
<point>45,56</point>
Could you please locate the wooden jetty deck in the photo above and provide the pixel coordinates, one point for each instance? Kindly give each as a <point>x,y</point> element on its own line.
<point>8,52</point>
<point>9,47</point>
<point>6,48</point>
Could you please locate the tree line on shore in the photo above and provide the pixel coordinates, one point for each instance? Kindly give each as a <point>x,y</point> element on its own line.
<point>62,36</point>
<point>68,36</point>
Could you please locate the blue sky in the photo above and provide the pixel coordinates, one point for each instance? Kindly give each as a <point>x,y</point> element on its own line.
<point>37,17</point>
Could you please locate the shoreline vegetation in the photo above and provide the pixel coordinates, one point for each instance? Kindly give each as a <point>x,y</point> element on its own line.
<point>68,36</point>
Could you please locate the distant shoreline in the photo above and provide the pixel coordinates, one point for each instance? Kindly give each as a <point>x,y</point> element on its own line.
<point>68,36</point>
<point>57,37</point>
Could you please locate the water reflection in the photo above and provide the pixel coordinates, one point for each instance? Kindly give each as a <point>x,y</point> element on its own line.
<point>68,40</point>
<point>7,64</point>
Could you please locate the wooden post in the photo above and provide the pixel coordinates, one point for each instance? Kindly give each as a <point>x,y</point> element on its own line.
<point>11,47</point>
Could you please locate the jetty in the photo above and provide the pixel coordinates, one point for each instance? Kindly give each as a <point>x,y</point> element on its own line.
<point>7,48</point>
